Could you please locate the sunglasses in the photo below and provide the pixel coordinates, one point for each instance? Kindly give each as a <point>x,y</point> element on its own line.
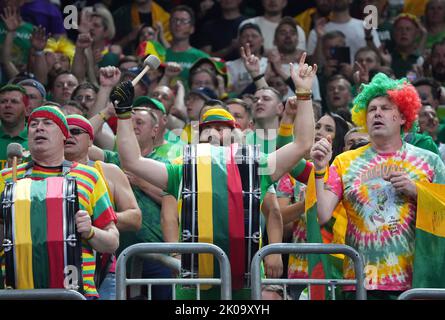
<point>76,131</point>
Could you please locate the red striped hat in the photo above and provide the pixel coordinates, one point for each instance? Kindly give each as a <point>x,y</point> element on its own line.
<point>82,122</point>
<point>52,113</point>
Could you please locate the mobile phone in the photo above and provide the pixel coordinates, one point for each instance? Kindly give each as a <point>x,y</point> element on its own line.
<point>341,54</point>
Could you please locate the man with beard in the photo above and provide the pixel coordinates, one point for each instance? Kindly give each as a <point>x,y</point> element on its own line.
<point>286,40</point>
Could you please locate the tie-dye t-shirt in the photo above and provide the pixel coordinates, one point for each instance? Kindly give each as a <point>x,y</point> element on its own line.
<point>291,188</point>
<point>381,221</point>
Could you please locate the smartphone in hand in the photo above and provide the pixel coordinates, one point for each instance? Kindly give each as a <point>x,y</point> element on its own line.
<point>341,54</point>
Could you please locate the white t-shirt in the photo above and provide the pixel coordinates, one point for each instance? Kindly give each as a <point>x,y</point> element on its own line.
<point>268,30</point>
<point>354,32</point>
<point>239,78</point>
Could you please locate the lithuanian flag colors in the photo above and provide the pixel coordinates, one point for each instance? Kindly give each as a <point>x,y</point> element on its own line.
<point>146,48</point>
<point>319,267</point>
<point>429,257</point>
<point>39,248</point>
<point>221,211</point>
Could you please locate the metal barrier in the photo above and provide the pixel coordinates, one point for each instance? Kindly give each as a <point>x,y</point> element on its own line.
<point>40,294</point>
<point>308,248</point>
<point>142,249</point>
<point>423,293</point>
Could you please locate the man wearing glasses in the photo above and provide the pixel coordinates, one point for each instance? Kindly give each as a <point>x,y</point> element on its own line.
<point>122,197</point>
<point>182,26</point>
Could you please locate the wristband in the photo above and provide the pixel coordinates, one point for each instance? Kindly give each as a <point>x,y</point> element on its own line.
<point>91,235</point>
<point>286,130</point>
<point>258,77</point>
<point>303,94</point>
<point>38,53</point>
<point>304,97</point>
<point>103,116</point>
<point>320,174</point>
<point>124,115</point>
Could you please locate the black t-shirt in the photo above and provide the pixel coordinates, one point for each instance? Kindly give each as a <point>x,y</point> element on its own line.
<point>220,33</point>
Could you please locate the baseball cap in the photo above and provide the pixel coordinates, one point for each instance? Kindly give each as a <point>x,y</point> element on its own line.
<point>151,101</point>
<point>205,93</point>
<point>134,71</point>
<point>34,83</point>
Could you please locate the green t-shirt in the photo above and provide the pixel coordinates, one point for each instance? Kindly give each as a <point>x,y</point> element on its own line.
<point>422,140</point>
<point>185,59</point>
<point>150,230</point>
<point>22,42</point>
<point>6,139</point>
<point>172,149</point>
<point>268,146</point>
<point>433,39</point>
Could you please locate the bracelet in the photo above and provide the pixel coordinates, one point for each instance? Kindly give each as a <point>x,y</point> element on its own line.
<point>303,94</point>
<point>258,77</point>
<point>124,116</point>
<point>320,174</point>
<point>91,235</point>
<point>38,53</point>
<point>304,97</point>
<point>103,116</point>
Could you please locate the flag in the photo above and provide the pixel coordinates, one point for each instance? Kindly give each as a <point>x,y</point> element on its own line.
<point>146,48</point>
<point>220,211</point>
<point>319,267</point>
<point>429,253</point>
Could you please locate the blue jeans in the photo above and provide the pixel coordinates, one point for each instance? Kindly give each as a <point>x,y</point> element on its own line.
<point>152,269</point>
<point>107,290</point>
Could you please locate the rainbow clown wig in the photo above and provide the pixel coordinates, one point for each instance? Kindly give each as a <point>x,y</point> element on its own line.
<point>400,92</point>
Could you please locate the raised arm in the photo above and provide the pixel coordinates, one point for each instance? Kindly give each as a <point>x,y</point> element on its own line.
<point>252,65</point>
<point>12,21</point>
<point>37,59</point>
<point>285,158</point>
<point>327,200</point>
<point>129,152</point>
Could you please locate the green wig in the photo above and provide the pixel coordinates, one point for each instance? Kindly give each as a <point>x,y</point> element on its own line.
<point>400,92</point>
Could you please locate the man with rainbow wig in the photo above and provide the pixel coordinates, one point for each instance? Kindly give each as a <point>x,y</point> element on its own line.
<point>381,187</point>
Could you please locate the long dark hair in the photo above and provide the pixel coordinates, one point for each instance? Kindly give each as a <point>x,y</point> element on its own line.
<point>341,128</point>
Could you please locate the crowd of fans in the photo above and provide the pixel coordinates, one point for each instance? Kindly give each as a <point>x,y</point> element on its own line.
<point>231,54</point>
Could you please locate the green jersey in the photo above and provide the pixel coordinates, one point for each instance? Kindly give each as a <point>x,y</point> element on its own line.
<point>6,139</point>
<point>150,230</point>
